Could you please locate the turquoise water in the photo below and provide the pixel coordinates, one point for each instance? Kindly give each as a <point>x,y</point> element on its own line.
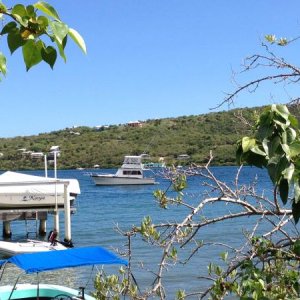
<point>101,209</point>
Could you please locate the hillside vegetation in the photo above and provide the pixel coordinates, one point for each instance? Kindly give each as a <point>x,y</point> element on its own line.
<point>170,137</point>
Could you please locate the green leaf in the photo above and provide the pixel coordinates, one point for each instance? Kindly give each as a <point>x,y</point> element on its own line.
<point>32,53</point>
<point>295,148</point>
<point>60,31</point>
<point>19,10</point>
<point>291,134</point>
<point>289,172</point>
<point>9,27</point>
<point>77,38</point>
<point>43,22</point>
<point>47,9</point>
<point>49,55</point>
<point>296,211</point>
<point>273,145</point>
<point>265,145</point>
<point>294,121</point>
<point>286,149</point>
<point>296,247</point>
<point>284,190</point>
<point>258,151</point>
<point>248,143</point>
<point>271,38</point>
<point>282,110</point>
<point>30,11</point>
<point>14,41</point>
<point>296,192</point>
<point>61,50</point>
<point>2,63</point>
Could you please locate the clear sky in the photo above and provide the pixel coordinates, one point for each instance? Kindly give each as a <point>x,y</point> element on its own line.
<point>146,59</point>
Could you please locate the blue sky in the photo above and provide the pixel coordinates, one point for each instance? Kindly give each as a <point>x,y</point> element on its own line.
<point>146,59</point>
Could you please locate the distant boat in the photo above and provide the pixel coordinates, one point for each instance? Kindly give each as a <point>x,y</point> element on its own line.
<point>154,165</point>
<point>18,190</point>
<point>130,173</point>
<point>35,263</point>
<point>29,246</point>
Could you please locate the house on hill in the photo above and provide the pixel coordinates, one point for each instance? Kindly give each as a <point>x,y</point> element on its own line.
<point>135,124</point>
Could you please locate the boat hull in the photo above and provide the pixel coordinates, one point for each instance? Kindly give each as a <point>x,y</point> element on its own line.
<point>30,200</point>
<point>114,180</point>
<point>8,249</point>
<point>41,291</point>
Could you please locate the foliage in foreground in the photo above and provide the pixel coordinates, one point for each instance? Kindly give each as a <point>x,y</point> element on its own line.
<point>28,27</point>
<point>265,265</point>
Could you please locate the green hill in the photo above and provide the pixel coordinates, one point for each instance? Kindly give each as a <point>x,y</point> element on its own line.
<point>170,137</point>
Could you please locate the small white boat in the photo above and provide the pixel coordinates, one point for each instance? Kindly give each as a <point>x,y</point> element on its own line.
<point>18,190</point>
<point>130,173</point>
<point>54,260</point>
<point>8,249</point>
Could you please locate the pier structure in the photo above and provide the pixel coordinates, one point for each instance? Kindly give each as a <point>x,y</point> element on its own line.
<point>38,213</point>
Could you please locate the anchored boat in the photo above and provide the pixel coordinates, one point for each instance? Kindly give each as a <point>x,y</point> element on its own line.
<point>130,173</point>
<point>54,260</point>
<point>8,249</point>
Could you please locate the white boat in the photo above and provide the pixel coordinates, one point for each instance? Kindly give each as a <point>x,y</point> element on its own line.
<point>130,173</point>
<point>8,249</point>
<point>18,190</point>
<point>54,260</point>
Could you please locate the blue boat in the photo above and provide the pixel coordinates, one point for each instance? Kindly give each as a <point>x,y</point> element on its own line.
<point>54,260</point>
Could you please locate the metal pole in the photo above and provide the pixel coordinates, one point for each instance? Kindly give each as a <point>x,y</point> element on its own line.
<point>56,213</point>
<point>46,168</point>
<point>67,214</point>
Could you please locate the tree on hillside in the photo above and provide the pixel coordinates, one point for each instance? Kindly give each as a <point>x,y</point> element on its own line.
<point>265,264</point>
<point>39,31</point>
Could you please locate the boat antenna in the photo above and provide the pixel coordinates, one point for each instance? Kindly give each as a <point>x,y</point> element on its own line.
<point>150,144</point>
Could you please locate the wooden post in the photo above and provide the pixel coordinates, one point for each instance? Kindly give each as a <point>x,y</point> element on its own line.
<point>43,227</point>
<point>56,220</point>
<point>6,229</point>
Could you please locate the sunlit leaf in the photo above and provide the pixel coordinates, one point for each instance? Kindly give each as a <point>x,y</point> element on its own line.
<point>282,110</point>
<point>77,38</point>
<point>271,38</point>
<point>2,63</point>
<point>60,31</point>
<point>296,192</point>
<point>289,172</point>
<point>258,151</point>
<point>47,9</point>
<point>286,149</point>
<point>248,143</point>
<point>291,134</point>
<point>61,50</point>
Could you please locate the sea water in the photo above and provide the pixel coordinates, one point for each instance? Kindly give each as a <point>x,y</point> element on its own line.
<point>102,212</point>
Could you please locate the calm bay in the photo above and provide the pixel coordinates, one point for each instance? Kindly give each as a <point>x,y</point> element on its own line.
<point>101,208</point>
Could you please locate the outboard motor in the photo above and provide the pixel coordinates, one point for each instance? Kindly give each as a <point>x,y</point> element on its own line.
<point>81,292</point>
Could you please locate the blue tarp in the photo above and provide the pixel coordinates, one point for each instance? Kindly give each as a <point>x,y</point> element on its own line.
<point>59,259</point>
